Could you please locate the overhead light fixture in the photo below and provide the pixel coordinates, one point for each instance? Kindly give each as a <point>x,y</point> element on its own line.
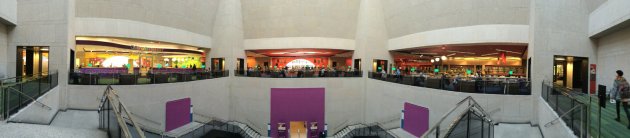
<point>278,53</point>
<point>44,49</point>
<point>432,60</point>
<point>437,59</point>
<point>559,58</point>
<point>443,57</point>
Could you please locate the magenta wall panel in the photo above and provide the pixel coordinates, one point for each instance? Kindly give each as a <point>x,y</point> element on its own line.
<point>177,113</point>
<point>297,104</point>
<point>416,119</point>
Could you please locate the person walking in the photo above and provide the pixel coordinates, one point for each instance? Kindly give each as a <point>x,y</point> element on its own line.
<point>621,94</point>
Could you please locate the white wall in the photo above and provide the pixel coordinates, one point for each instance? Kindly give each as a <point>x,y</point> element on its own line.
<point>477,34</point>
<point>4,46</point>
<point>300,18</point>
<point>609,16</point>
<point>195,16</point>
<point>558,27</point>
<point>613,52</point>
<point>37,114</point>
<point>404,17</point>
<point>228,34</point>
<point>385,100</point>
<point>371,36</point>
<point>250,99</point>
<point>299,42</point>
<point>8,12</point>
<point>209,98</point>
<point>109,27</point>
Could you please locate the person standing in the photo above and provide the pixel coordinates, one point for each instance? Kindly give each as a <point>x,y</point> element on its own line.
<point>621,94</point>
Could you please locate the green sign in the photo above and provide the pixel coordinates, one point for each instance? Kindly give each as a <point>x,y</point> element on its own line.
<point>128,66</point>
<point>511,72</point>
<point>413,69</point>
<point>379,68</point>
<point>159,66</point>
<point>436,70</point>
<point>393,68</point>
<point>89,64</point>
<point>203,66</point>
<point>469,72</point>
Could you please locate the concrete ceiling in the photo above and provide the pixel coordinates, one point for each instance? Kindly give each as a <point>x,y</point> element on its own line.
<point>300,18</point>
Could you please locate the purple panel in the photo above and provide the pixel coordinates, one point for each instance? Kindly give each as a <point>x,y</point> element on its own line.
<point>177,113</point>
<point>297,104</point>
<point>416,119</point>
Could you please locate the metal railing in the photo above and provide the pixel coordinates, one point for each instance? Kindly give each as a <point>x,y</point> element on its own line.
<point>17,92</point>
<point>110,103</point>
<point>505,86</point>
<point>121,78</point>
<point>298,74</point>
<point>569,108</point>
<point>472,108</point>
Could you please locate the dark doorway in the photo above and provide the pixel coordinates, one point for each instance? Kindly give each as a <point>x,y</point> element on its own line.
<point>357,64</point>
<point>571,72</point>
<point>217,64</point>
<point>32,60</point>
<point>380,65</point>
<point>72,63</point>
<point>240,66</point>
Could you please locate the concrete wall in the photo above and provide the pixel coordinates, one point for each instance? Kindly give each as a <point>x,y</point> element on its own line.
<point>558,27</point>
<point>613,52</point>
<point>88,26</point>
<point>477,34</point>
<point>37,114</point>
<point>371,36</point>
<point>406,17</point>
<point>4,46</point>
<point>609,17</point>
<point>250,100</point>
<point>8,12</point>
<point>210,98</point>
<point>300,18</point>
<point>299,42</point>
<point>385,100</point>
<point>45,23</point>
<point>191,15</point>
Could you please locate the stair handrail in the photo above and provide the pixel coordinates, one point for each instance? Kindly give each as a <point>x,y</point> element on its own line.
<point>112,95</point>
<point>472,103</point>
<point>553,122</point>
<point>29,97</point>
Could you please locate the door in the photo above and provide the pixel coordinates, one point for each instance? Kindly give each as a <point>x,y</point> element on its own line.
<point>297,129</point>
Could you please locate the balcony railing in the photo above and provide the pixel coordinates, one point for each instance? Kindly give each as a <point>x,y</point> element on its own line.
<point>508,86</point>
<point>118,78</point>
<point>298,74</point>
<point>17,92</point>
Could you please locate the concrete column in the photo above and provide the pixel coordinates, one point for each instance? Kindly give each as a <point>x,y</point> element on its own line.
<point>371,38</point>
<point>4,44</point>
<point>228,34</point>
<point>551,35</point>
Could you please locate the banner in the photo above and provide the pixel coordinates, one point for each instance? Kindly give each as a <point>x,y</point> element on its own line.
<point>593,75</point>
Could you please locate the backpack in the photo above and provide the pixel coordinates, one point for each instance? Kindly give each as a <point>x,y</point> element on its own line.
<point>624,90</point>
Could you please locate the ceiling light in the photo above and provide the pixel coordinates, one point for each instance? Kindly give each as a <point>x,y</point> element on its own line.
<point>309,52</point>
<point>432,60</point>
<point>443,57</point>
<point>279,53</point>
<point>437,59</point>
<point>44,49</point>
